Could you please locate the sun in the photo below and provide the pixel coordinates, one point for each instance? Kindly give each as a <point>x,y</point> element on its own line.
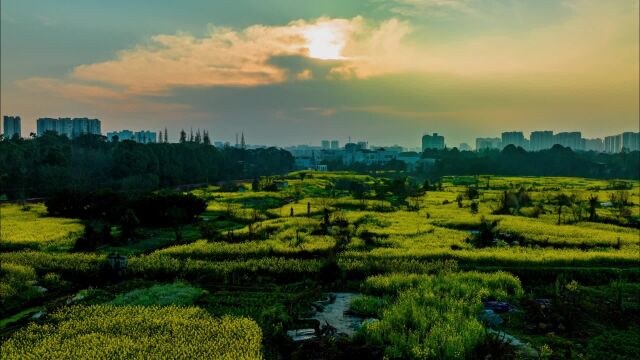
<point>325,41</point>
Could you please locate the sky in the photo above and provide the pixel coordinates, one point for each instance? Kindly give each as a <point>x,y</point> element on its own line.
<point>290,72</point>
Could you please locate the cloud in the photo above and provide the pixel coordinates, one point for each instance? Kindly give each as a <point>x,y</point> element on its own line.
<point>98,96</point>
<point>321,111</point>
<point>224,57</point>
<point>305,74</point>
<point>595,44</point>
<point>431,7</point>
<point>594,41</point>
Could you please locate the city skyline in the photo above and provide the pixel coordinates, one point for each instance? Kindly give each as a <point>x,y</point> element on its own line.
<point>538,140</point>
<point>381,71</point>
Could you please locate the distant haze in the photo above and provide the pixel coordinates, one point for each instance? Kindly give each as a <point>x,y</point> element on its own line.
<point>294,72</point>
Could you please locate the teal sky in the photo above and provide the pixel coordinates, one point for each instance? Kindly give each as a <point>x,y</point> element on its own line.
<point>290,72</point>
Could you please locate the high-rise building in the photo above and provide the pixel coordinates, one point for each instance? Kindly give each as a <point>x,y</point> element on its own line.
<point>70,127</point>
<point>326,144</point>
<point>64,126</point>
<point>82,126</point>
<point>46,124</point>
<point>631,141</point>
<point>11,127</point>
<point>593,145</point>
<point>571,140</point>
<point>488,143</point>
<point>540,140</point>
<point>335,144</point>
<point>613,144</point>
<point>515,138</point>
<point>434,141</point>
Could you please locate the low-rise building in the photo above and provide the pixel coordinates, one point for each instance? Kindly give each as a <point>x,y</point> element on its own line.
<point>410,158</point>
<point>143,137</point>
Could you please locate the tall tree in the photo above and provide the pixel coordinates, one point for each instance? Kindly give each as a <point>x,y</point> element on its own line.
<point>166,135</point>
<point>183,136</point>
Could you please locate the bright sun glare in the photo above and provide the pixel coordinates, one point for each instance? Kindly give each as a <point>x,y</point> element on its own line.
<point>325,42</point>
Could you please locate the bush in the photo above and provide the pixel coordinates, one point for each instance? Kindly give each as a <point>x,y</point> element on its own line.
<point>168,208</point>
<point>437,317</point>
<point>615,345</point>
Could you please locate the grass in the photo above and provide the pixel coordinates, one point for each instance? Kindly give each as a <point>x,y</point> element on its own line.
<point>178,293</point>
<point>417,269</point>
<point>135,332</point>
<point>27,227</point>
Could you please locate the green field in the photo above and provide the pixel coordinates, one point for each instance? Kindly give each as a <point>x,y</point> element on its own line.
<point>421,259</point>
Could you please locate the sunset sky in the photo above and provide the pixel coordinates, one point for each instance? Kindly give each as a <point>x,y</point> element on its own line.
<point>296,72</point>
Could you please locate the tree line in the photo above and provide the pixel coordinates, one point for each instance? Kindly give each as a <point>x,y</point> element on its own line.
<point>515,161</point>
<point>50,164</point>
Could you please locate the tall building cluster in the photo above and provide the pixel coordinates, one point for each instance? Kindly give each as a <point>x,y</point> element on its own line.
<point>70,127</point>
<point>543,140</point>
<point>143,137</point>
<point>627,141</point>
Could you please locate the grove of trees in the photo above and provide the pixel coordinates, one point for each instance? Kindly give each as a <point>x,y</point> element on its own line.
<point>49,164</point>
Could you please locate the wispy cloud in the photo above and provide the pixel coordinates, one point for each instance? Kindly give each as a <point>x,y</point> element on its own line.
<point>98,96</point>
<point>431,7</point>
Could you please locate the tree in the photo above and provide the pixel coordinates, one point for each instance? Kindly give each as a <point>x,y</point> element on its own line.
<point>474,207</point>
<point>621,199</point>
<point>425,186</point>
<point>486,233</point>
<point>593,205</point>
<point>176,218</point>
<point>472,192</point>
<point>183,136</point>
<point>128,225</point>
<point>507,201</point>
<point>255,185</point>
<point>166,135</point>
<point>561,201</point>
<point>205,139</point>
